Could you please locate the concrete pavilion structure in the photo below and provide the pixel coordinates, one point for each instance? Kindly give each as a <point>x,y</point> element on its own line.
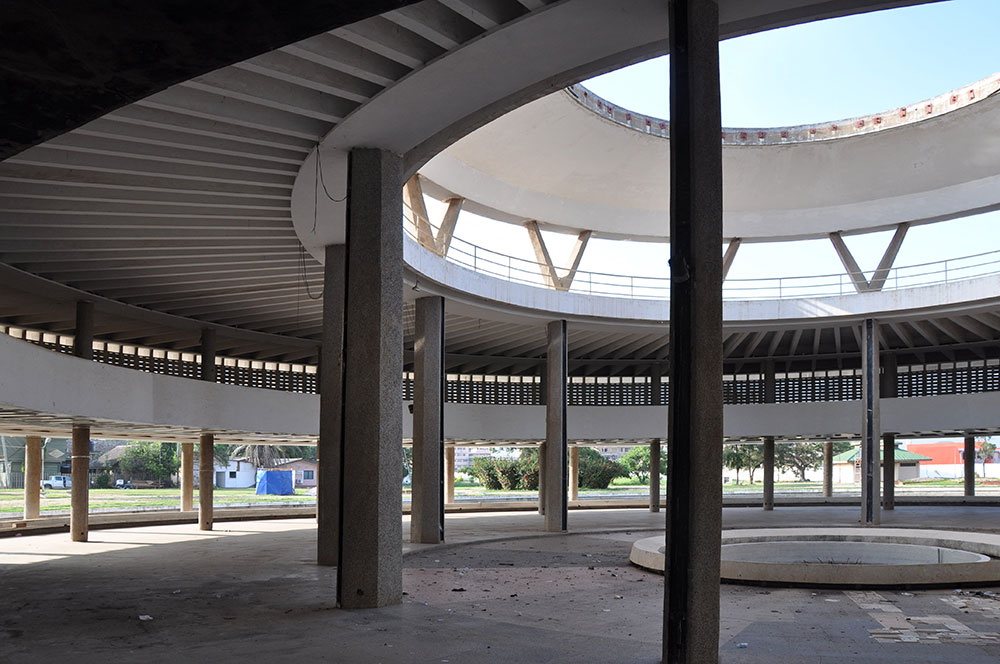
<point>212,239</point>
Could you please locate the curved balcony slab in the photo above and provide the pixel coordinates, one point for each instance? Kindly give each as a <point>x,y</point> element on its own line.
<point>461,284</point>
<point>55,389</point>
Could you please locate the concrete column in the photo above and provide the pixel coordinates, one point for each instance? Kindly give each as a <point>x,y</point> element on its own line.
<point>574,473</point>
<point>371,558</point>
<point>888,383</point>
<point>209,346</point>
<point>870,424</point>
<point>206,480</point>
<point>768,473</point>
<point>654,475</point>
<point>427,497</point>
<point>187,477</point>
<point>970,465</point>
<point>555,452</point>
<point>83,336</point>
<point>656,385</point>
<point>32,476</point>
<point>827,469</point>
<point>331,407</point>
<point>541,477</point>
<point>770,382</point>
<point>888,471</point>
<point>80,475</point>
<point>694,501</point>
<point>449,474</point>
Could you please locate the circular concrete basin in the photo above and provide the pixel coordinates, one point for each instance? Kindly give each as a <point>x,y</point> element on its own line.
<point>847,557</point>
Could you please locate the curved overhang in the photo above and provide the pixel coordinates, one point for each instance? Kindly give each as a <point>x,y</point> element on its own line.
<point>560,163</point>
<point>520,61</point>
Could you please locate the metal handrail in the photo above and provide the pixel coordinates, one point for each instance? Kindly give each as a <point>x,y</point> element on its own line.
<point>519,270</point>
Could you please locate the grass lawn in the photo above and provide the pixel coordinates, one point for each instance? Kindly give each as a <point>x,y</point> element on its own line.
<point>12,500</point>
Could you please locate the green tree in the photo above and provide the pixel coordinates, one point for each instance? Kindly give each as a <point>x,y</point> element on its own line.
<point>595,471</point>
<point>149,461</point>
<point>743,457</point>
<point>987,448</point>
<point>407,461</point>
<point>638,462</point>
<point>799,457</point>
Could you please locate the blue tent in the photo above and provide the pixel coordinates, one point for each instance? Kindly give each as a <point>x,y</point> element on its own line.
<point>275,483</point>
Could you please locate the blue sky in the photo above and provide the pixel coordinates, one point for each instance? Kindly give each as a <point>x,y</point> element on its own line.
<point>821,71</point>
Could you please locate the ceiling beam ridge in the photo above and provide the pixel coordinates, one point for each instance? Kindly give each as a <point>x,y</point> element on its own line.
<point>730,256</point>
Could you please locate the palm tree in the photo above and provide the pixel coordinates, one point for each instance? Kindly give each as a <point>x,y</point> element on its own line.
<point>267,456</point>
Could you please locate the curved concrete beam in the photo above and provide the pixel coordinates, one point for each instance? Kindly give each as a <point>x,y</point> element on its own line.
<point>522,60</point>
<point>38,380</point>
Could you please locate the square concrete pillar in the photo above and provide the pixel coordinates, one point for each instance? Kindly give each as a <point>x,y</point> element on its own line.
<point>32,476</point>
<point>541,477</point>
<point>370,561</point>
<point>827,469</point>
<point>83,334</point>
<point>209,346</point>
<point>654,475</point>
<point>79,525</point>
<point>555,448</point>
<point>329,449</point>
<point>889,381</point>
<point>970,465</point>
<point>870,424</point>
<point>694,498</point>
<point>768,473</point>
<point>427,494</point>
<point>187,477</point>
<point>206,480</point>
<point>770,382</point>
<point>449,474</point>
<point>574,473</point>
<point>888,471</point>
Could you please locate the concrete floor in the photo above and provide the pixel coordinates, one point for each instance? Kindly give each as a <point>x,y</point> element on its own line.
<point>251,590</point>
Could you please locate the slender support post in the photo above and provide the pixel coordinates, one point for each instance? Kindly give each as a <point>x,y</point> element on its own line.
<point>574,473</point>
<point>83,337</point>
<point>331,407</point>
<point>371,513</point>
<point>427,497</point>
<point>888,471</point>
<point>449,474</point>
<point>770,382</point>
<point>80,476</point>
<point>32,476</point>
<point>556,498</point>
<point>187,477</point>
<point>654,475</point>
<point>209,345</point>
<point>870,424</point>
<point>541,477</point>
<point>889,384</point>
<point>694,501</point>
<point>206,480</point>
<point>656,386</point>
<point>827,469</point>
<point>730,256</point>
<point>768,473</point>
<point>970,465</point>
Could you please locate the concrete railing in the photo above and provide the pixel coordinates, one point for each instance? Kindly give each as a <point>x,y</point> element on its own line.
<point>499,265</point>
<point>820,131</point>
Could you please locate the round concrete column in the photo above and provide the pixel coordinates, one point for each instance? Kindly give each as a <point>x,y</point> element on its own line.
<point>206,480</point>
<point>654,475</point>
<point>32,476</point>
<point>449,474</point>
<point>827,469</point>
<point>80,475</point>
<point>187,477</point>
<point>769,473</point>
<point>970,465</point>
